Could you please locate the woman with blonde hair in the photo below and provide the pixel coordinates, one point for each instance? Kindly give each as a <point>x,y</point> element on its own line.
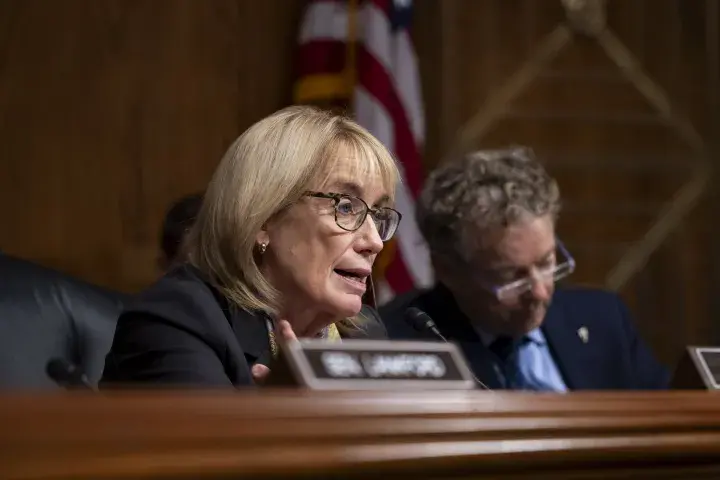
<point>291,223</point>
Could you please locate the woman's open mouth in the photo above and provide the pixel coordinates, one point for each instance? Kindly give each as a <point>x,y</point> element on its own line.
<point>356,279</point>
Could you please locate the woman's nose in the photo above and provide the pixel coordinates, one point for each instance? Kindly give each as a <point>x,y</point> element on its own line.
<point>370,237</point>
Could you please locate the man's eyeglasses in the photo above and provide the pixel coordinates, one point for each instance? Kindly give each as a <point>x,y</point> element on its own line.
<point>554,273</point>
<point>351,212</point>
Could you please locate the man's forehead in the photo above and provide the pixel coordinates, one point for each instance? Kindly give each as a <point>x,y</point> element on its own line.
<point>520,243</point>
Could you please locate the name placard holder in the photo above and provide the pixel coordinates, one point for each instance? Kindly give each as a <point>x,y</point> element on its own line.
<point>371,365</point>
<point>698,369</point>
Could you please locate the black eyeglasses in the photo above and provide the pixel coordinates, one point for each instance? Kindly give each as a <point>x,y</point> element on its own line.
<point>351,212</point>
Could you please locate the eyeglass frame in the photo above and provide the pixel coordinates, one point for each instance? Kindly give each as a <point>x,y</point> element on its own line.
<point>336,197</point>
<point>528,281</point>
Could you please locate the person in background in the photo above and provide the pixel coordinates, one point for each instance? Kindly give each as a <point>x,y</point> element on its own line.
<point>489,219</point>
<point>178,220</point>
<point>283,247</point>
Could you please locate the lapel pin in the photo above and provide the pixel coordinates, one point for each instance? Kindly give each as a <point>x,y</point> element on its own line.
<point>584,334</point>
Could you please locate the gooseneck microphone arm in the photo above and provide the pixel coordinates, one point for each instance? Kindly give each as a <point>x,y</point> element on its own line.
<point>422,322</point>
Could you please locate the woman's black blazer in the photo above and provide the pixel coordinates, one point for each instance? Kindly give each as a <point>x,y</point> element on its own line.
<point>183,332</point>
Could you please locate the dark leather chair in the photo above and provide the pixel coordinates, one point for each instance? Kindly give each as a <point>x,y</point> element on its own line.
<point>46,315</point>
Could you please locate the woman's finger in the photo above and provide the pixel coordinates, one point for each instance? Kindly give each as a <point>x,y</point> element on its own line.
<point>260,373</point>
<point>285,331</point>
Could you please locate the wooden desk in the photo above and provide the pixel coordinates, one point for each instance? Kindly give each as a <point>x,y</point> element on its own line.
<point>295,434</point>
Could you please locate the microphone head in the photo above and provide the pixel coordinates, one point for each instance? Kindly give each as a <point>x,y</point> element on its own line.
<point>67,375</point>
<point>59,369</point>
<point>419,320</point>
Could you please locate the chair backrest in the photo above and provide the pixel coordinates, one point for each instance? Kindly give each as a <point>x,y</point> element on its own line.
<point>45,315</point>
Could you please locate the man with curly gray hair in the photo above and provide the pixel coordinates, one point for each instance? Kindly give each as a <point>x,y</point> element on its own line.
<point>489,220</point>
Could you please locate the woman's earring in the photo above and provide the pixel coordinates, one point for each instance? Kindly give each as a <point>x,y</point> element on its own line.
<point>262,247</point>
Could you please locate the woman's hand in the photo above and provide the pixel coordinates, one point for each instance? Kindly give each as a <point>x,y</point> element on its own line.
<point>283,334</point>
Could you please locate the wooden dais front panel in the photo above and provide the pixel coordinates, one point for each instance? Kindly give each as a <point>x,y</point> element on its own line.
<point>421,435</point>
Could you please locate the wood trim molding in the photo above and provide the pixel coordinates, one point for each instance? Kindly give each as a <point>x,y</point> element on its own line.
<point>303,434</point>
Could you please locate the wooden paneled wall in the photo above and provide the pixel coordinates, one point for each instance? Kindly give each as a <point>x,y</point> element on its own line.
<point>111,109</point>
<point>608,116</point>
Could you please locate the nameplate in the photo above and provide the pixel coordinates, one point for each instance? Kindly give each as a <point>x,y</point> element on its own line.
<point>699,369</point>
<point>377,364</point>
<point>708,360</point>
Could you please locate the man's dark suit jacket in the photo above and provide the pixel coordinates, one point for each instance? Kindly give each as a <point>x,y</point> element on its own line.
<point>614,357</point>
<point>183,332</point>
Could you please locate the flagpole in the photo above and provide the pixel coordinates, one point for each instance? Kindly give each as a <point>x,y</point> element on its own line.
<point>351,52</point>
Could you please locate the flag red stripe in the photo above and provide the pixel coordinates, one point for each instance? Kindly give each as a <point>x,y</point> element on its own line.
<point>383,5</point>
<point>320,56</point>
<point>397,274</point>
<point>325,56</point>
<point>374,78</point>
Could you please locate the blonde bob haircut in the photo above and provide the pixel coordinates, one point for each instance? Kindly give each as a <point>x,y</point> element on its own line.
<point>266,170</point>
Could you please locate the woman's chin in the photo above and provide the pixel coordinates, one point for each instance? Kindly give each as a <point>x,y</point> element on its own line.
<point>346,305</point>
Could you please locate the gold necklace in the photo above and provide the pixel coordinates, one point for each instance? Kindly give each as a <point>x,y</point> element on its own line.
<point>271,338</point>
<point>329,333</point>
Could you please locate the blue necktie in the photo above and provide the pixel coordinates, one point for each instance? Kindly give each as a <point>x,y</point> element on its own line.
<point>506,350</point>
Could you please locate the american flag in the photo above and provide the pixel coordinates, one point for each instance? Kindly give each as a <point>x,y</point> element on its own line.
<point>378,71</point>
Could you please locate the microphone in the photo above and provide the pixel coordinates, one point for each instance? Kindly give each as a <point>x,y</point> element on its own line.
<point>422,322</point>
<point>67,374</point>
